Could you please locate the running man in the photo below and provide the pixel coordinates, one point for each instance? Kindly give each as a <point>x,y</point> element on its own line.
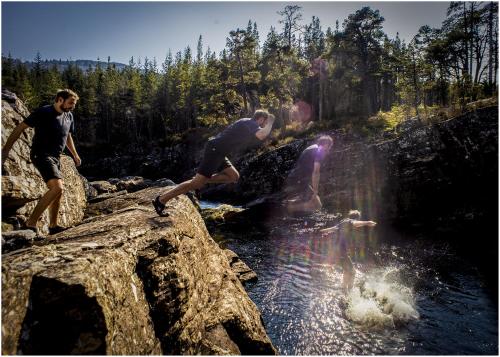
<point>215,167</point>
<point>344,232</point>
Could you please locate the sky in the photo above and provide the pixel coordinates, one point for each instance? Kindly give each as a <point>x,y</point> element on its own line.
<point>91,30</point>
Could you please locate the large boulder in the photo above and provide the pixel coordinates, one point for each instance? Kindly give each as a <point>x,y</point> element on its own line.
<point>103,186</point>
<point>128,282</point>
<point>22,184</point>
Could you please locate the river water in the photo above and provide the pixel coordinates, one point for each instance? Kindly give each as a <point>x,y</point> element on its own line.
<point>410,296</point>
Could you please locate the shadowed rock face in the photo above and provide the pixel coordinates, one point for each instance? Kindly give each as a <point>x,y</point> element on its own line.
<point>62,319</point>
<point>126,281</point>
<point>22,185</point>
<point>438,176</point>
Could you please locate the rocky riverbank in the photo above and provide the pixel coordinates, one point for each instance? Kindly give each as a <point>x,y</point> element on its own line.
<point>129,282</point>
<point>120,280</point>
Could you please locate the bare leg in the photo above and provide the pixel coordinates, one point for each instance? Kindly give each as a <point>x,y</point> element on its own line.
<point>348,273</point>
<point>54,192</point>
<point>228,175</point>
<point>315,203</point>
<point>310,206</point>
<point>54,211</point>
<point>195,183</point>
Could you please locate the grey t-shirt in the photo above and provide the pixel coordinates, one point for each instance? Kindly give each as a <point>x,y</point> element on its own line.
<point>302,172</point>
<point>51,130</point>
<point>236,136</point>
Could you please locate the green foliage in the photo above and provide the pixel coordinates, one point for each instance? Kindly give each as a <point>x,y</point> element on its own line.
<point>389,120</point>
<point>210,121</point>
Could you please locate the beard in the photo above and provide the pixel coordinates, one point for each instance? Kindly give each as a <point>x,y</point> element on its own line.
<point>67,108</point>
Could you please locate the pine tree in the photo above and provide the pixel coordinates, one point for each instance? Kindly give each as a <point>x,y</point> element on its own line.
<point>242,45</point>
<point>362,37</point>
<point>8,72</point>
<point>291,16</point>
<point>37,77</point>
<point>314,40</point>
<point>282,71</point>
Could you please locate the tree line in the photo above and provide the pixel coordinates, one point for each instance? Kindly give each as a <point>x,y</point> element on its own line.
<point>345,74</point>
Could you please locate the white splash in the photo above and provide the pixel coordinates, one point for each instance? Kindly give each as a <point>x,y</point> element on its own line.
<point>381,301</point>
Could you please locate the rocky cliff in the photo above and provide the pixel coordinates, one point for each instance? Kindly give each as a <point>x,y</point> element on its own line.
<point>122,280</point>
<point>129,282</point>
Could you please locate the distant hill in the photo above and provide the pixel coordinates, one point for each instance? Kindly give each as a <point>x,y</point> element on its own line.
<point>62,65</point>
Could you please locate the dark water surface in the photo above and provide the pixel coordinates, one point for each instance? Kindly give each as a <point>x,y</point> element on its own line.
<point>411,296</point>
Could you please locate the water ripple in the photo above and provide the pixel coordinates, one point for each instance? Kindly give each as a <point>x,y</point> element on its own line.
<point>409,298</point>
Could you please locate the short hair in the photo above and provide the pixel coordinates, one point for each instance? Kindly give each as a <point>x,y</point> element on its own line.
<point>354,214</point>
<point>260,113</point>
<point>65,94</point>
<point>325,140</point>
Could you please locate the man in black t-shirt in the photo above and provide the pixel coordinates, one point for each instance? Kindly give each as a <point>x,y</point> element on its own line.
<point>302,183</point>
<point>53,126</point>
<point>215,167</point>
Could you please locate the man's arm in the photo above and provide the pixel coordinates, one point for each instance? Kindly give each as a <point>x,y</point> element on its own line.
<point>16,133</point>
<point>262,133</point>
<point>71,147</point>
<point>359,224</point>
<point>329,230</point>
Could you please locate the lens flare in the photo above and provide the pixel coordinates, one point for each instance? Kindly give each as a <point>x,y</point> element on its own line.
<point>301,112</point>
<point>319,66</point>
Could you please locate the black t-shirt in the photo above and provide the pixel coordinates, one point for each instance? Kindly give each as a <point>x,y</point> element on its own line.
<point>236,136</point>
<point>305,164</point>
<point>51,130</point>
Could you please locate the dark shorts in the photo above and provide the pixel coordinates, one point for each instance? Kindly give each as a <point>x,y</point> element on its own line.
<point>48,166</point>
<point>213,161</point>
<point>298,189</point>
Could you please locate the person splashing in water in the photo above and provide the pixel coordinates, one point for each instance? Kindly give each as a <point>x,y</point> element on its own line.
<point>344,232</point>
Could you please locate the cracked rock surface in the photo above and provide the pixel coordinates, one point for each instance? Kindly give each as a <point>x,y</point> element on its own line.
<point>126,281</point>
